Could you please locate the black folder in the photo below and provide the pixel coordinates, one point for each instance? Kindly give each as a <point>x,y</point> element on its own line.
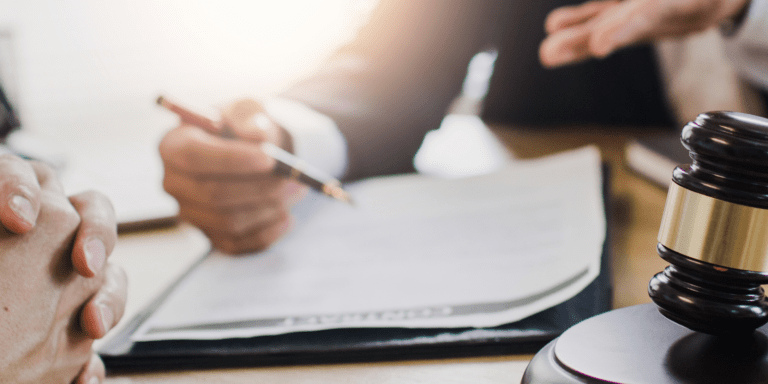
<point>362,344</point>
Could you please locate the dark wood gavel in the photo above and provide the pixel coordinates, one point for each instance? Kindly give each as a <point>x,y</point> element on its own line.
<point>714,231</point>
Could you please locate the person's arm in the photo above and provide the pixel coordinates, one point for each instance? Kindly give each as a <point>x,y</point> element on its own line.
<point>383,92</point>
<point>315,138</point>
<point>395,81</point>
<point>598,28</point>
<point>58,290</point>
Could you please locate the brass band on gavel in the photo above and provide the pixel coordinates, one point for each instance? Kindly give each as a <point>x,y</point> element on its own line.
<point>715,231</point>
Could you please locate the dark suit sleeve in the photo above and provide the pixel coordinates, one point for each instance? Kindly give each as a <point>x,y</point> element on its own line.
<point>394,82</point>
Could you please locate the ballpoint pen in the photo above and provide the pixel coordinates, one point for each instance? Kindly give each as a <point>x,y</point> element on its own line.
<point>287,165</point>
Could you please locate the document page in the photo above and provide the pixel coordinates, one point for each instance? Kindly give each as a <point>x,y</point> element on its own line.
<point>414,251</point>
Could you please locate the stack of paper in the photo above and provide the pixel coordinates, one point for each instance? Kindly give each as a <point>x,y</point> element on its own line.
<point>414,252</point>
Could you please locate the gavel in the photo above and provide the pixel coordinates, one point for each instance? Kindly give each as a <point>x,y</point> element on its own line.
<point>714,230</point>
<point>714,234</point>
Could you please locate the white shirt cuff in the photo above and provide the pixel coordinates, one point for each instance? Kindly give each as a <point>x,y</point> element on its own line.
<point>316,138</point>
<point>748,47</point>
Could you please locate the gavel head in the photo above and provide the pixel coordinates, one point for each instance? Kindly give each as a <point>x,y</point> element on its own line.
<point>714,231</point>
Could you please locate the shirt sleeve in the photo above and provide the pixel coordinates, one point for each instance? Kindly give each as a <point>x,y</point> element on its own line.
<point>316,137</point>
<point>395,81</point>
<point>747,48</point>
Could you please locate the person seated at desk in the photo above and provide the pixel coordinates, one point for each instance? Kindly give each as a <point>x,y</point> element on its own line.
<point>367,110</point>
<point>58,291</point>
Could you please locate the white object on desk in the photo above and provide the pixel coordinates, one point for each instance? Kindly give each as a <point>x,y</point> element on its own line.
<point>416,252</point>
<point>463,146</point>
<point>130,175</point>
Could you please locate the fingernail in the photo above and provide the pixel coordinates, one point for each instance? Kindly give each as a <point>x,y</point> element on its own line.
<point>22,207</point>
<point>106,317</point>
<point>95,254</point>
<point>94,380</point>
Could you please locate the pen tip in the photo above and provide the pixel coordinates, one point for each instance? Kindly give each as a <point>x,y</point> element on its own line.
<point>338,193</point>
<point>160,100</point>
<point>348,199</point>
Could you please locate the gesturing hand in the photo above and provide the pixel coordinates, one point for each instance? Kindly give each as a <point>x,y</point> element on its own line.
<point>597,28</point>
<point>57,290</point>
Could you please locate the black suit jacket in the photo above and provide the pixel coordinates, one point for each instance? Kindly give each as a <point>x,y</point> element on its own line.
<point>394,83</point>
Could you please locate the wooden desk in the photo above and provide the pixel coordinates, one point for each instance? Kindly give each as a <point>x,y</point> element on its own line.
<point>153,259</point>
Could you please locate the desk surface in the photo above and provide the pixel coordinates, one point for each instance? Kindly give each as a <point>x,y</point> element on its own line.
<point>153,259</point>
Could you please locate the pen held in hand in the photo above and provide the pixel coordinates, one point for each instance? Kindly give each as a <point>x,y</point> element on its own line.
<point>287,165</point>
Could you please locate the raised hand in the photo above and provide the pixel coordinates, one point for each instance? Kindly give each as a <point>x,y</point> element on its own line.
<point>598,28</point>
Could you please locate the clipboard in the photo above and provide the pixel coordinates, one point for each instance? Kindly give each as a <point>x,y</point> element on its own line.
<point>120,353</point>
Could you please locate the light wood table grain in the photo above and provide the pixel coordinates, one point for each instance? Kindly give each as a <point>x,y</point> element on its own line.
<point>154,258</point>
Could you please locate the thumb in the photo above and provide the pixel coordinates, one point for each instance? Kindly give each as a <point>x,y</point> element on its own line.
<point>241,118</point>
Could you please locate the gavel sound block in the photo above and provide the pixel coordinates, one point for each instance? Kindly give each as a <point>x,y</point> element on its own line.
<point>707,324</point>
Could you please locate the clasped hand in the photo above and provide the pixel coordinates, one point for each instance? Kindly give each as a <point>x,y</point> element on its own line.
<point>58,292</point>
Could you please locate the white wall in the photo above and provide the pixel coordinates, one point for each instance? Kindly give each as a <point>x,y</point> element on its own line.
<point>89,68</point>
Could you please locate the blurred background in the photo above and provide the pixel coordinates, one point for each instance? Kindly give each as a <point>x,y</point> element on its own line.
<point>84,75</point>
<point>93,65</point>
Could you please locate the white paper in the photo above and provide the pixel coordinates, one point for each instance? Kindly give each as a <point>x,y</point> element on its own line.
<point>414,252</point>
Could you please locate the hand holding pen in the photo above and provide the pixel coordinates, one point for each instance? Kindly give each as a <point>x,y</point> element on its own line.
<point>286,164</point>
<point>226,187</point>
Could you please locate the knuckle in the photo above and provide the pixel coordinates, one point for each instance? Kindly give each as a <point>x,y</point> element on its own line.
<point>169,185</point>
<point>96,210</point>
<point>214,193</point>
<point>100,202</point>
<point>187,158</point>
<point>266,237</point>
<point>262,241</point>
<point>9,160</point>
<point>178,150</point>
<point>260,245</point>
<point>168,146</point>
<point>42,169</point>
<point>119,273</point>
<point>165,147</point>
<point>92,285</point>
<point>58,209</point>
<point>242,109</point>
<point>227,246</point>
<point>232,223</point>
